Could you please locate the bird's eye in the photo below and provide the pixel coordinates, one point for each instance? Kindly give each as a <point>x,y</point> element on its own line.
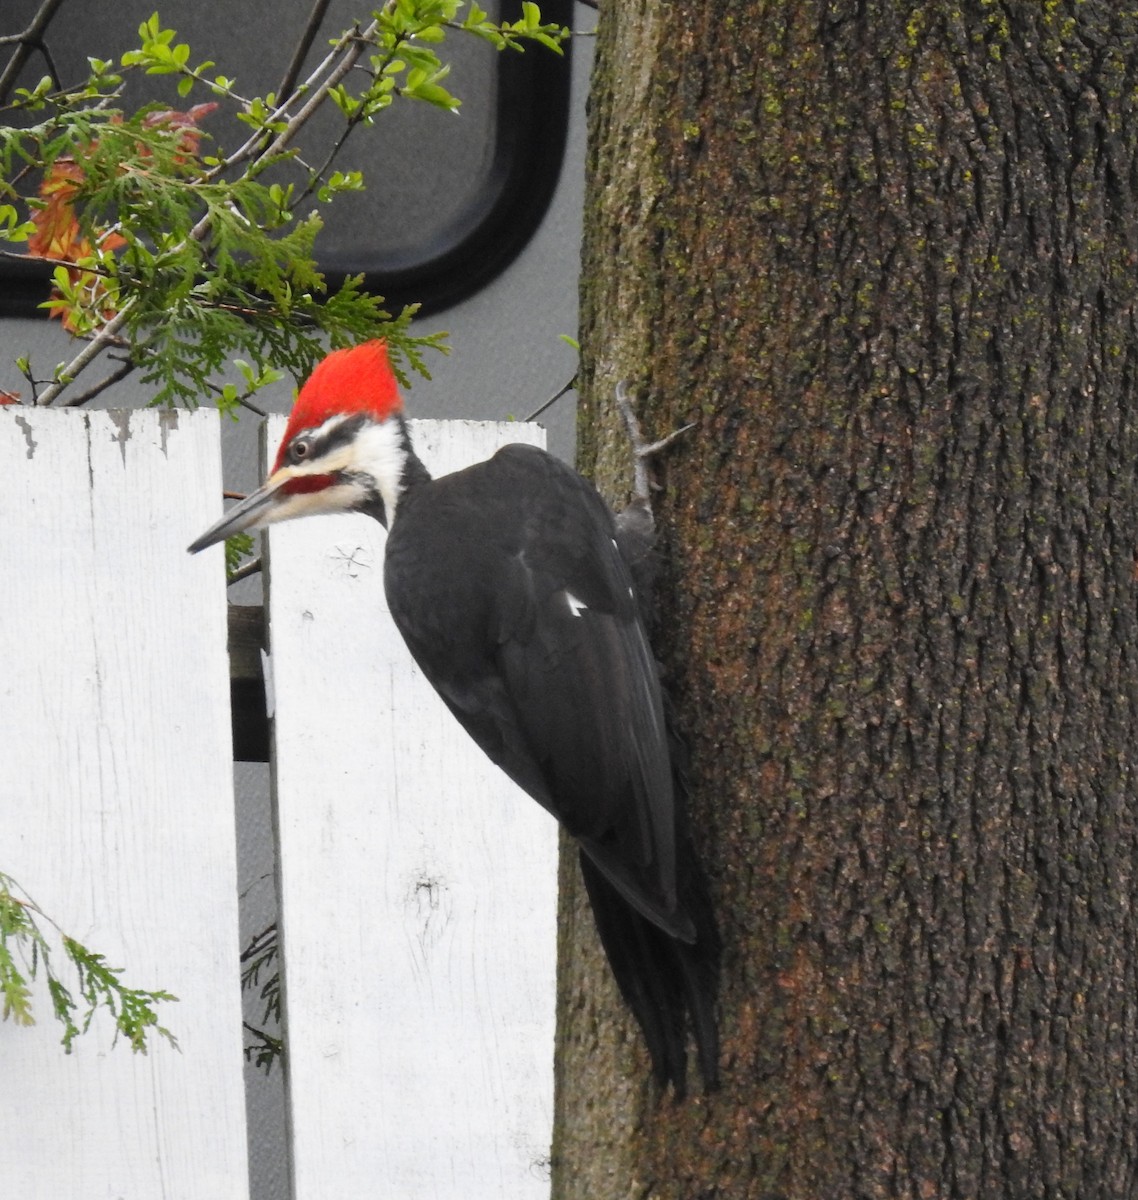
<point>301,449</point>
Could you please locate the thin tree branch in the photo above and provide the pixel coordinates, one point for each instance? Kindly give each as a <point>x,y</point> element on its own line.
<point>46,260</point>
<point>31,39</point>
<point>120,372</point>
<point>356,44</point>
<point>106,335</point>
<point>252,567</point>
<point>250,148</point>
<point>316,176</point>
<point>552,400</point>
<point>244,401</point>
<point>315,20</point>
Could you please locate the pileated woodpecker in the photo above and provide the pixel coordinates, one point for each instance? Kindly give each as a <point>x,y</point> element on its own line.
<point>511,591</point>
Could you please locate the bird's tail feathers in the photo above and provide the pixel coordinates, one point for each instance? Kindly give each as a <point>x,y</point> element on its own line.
<point>671,917</point>
<point>668,983</point>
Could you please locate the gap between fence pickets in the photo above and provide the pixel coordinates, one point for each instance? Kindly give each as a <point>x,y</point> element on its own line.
<point>417,886</point>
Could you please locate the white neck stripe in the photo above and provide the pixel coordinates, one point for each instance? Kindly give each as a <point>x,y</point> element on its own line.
<point>378,450</point>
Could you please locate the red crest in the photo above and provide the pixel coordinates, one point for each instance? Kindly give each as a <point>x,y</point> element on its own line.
<point>358,379</point>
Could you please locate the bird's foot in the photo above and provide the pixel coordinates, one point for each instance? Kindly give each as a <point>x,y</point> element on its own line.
<point>636,523</point>
<point>642,451</point>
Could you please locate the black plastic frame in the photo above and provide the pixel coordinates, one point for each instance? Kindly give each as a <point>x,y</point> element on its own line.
<point>532,125</point>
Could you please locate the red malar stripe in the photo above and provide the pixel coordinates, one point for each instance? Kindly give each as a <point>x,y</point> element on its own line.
<point>307,483</point>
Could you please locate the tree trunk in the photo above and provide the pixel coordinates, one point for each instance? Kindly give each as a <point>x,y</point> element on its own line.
<point>886,256</point>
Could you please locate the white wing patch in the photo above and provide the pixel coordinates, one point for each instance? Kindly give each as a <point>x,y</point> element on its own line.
<point>576,607</point>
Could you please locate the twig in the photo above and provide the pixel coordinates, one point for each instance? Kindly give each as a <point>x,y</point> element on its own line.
<point>315,20</point>
<point>314,177</point>
<point>249,149</point>
<point>552,400</point>
<point>260,941</point>
<point>244,401</point>
<point>252,567</point>
<point>120,372</point>
<point>31,39</point>
<point>69,263</point>
<point>356,42</point>
<point>87,355</point>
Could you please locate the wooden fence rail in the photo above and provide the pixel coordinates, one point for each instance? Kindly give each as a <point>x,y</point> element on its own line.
<point>417,885</point>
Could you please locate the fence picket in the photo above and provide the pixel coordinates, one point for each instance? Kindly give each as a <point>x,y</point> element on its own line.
<point>116,799</point>
<point>417,887</point>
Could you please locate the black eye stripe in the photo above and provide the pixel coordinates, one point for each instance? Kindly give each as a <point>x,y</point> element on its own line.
<point>339,435</point>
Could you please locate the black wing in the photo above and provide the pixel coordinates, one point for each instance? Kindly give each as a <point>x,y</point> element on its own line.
<point>507,584</point>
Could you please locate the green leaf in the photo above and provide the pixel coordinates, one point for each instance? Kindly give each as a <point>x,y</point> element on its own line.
<point>433,94</point>
<point>237,548</point>
<point>476,16</point>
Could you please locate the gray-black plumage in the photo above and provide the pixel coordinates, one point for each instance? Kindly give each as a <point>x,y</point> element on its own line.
<point>534,639</point>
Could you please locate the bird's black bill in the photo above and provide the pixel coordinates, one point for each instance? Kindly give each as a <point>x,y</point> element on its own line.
<point>250,513</point>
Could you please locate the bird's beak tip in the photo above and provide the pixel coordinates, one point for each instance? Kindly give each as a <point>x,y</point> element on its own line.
<point>201,543</point>
<point>251,513</point>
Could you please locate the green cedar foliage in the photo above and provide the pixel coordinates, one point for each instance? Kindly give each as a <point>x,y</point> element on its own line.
<point>25,952</point>
<point>179,254</point>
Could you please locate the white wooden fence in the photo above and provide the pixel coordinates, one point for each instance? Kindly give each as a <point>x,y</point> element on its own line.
<point>417,885</point>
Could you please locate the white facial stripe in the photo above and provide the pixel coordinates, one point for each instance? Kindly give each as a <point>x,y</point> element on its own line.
<point>354,455</point>
<point>340,458</point>
<point>323,430</point>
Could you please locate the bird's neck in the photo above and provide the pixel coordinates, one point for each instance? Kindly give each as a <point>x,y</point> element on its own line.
<point>413,476</point>
<point>394,467</point>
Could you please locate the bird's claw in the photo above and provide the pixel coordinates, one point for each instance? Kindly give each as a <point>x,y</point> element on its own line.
<point>642,451</point>
<point>664,442</point>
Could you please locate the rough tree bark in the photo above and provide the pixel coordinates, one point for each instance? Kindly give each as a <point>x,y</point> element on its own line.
<point>886,255</point>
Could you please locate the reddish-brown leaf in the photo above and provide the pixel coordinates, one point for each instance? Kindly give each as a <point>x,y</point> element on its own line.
<point>57,229</point>
<point>190,140</point>
<point>57,233</point>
